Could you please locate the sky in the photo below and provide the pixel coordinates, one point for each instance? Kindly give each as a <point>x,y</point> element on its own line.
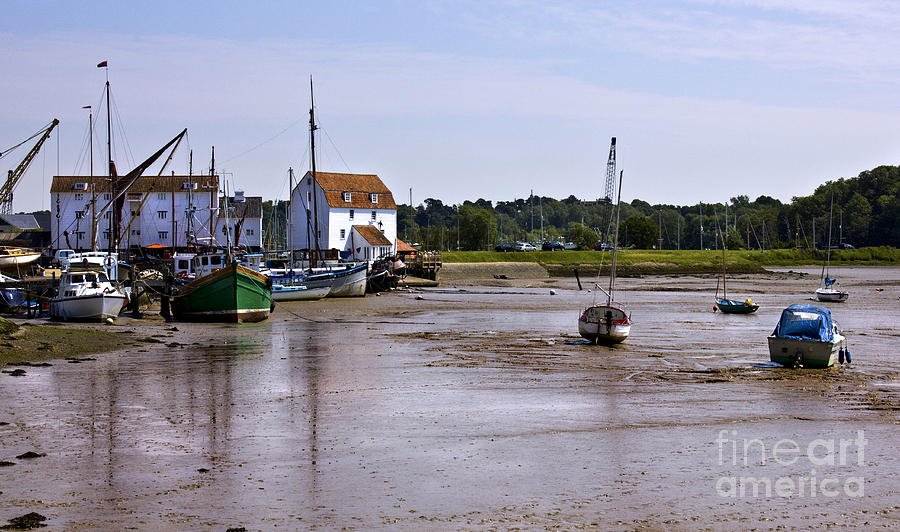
<point>461,100</point>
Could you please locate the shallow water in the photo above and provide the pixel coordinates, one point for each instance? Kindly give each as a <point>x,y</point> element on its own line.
<point>475,407</point>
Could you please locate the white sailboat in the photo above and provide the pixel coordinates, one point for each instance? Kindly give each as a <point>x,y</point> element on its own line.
<point>607,323</point>
<point>826,291</point>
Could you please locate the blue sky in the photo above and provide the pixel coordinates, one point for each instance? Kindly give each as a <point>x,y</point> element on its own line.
<point>709,99</point>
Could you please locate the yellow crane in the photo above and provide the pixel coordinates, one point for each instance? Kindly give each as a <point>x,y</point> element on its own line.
<point>6,192</point>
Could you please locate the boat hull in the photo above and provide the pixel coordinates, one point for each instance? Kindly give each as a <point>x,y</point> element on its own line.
<point>93,307</point>
<point>298,292</point>
<point>807,353</point>
<point>233,294</point>
<point>350,282</point>
<point>730,306</point>
<point>831,295</point>
<point>604,324</point>
<point>14,258</point>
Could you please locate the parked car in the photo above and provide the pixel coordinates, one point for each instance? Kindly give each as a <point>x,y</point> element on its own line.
<point>61,257</point>
<point>570,246</point>
<point>602,246</point>
<point>552,246</point>
<point>504,246</point>
<point>524,246</point>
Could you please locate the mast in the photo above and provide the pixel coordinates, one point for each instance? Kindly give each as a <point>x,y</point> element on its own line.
<point>291,218</point>
<point>612,271</point>
<point>93,188</point>
<point>828,251</point>
<point>312,146</point>
<point>116,214</point>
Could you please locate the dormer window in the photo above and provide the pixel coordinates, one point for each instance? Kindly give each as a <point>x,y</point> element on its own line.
<point>346,197</point>
<point>189,185</point>
<point>373,197</point>
<point>80,186</point>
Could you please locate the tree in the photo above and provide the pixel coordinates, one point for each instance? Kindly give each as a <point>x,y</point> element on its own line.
<point>641,232</point>
<point>478,228</point>
<point>583,236</point>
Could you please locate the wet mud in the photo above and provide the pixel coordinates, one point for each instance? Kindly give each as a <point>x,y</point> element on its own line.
<point>470,406</point>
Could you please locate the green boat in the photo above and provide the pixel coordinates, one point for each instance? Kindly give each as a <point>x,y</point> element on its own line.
<point>731,306</point>
<point>233,294</point>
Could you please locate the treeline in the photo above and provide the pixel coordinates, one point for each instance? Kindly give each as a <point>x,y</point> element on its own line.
<point>865,213</point>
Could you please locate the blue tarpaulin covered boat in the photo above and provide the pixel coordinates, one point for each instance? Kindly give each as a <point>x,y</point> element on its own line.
<point>805,336</point>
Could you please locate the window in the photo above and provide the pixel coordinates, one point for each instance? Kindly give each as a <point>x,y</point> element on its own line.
<point>373,198</point>
<point>161,196</point>
<point>81,186</point>
<point>163,235</point>
<point>79,234</point>
<point>135,213</point>
<point>189,185</point>
<point>308,197</point>
<point>106,215</point>
<point>134,196</point>
<point>106,235</point>
<point>79,214</point>
<point>343,233</point>
<point>346,197</point>
<point>107,197</point>
<point>351,214</point>
<point>135,232</point>
<point>162,214</point>
<point>249,232</point>
<point>374,213</point>
<point>79,197</point>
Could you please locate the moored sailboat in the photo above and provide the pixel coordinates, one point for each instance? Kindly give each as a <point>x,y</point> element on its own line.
<point>607,323</point>
<point>826,291</point>
<point>732,306</point>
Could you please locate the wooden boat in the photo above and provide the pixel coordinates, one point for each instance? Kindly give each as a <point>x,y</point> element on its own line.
<point>349,282</point>
<point>231,294</point>
<point>806,336</point>
<point>609,323</point>
<point>13,257</point>
<point>826,291</point>
<point>86,294</point>
<point>732,306</point>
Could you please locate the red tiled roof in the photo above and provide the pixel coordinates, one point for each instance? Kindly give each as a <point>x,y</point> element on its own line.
<point>403,246</point>
<point>372,235</point>
<point>205,183</point>
<point>360,186</point>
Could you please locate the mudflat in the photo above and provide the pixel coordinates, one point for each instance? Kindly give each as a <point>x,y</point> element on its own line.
<point>474,405</point>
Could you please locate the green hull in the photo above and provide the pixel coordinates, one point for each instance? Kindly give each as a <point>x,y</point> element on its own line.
<point>730,306</point>
<point>233,294</point>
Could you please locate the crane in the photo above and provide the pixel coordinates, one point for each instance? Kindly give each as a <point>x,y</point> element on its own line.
<point>6,191</point>
<point>611,173</point>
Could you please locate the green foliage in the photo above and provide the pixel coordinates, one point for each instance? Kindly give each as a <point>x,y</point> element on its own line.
<point>865,214</point>
<point>581,235</point>
<point>640,232</point>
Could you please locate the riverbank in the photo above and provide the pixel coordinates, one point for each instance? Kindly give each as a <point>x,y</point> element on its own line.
<point>661,262</point>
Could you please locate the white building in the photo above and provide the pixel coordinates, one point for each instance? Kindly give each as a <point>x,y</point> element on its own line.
<point>353,210</point>
<point>244,220</point>
<point>155,211</point>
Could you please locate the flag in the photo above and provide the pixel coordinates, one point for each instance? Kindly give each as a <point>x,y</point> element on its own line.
<point>101,64</point>
<point>86,107</point>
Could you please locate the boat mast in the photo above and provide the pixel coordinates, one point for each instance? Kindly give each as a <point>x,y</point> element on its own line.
<point>93,188</point>
<point>312,146</point>
<point>612,271</point>
<point>290,230</point>
<point>828,251</point>
<point>114,218</point>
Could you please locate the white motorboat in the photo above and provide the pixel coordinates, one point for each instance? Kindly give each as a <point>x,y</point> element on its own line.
<point>806,336</point>
<point>86,295</point>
